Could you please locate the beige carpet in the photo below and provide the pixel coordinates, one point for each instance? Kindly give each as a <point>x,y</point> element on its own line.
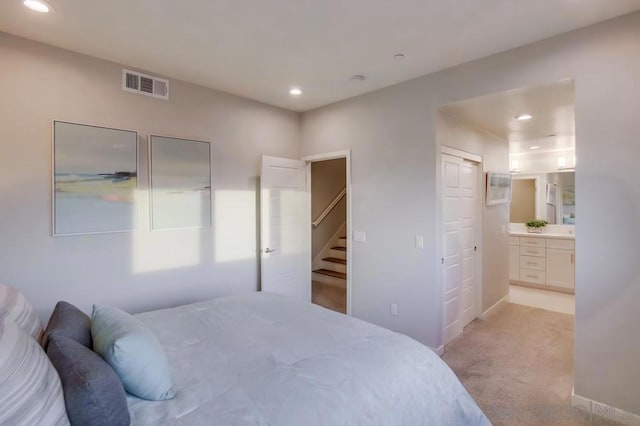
<point>518,366</point>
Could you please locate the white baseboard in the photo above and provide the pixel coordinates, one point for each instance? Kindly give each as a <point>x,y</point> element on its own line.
<point>439,350</point>
<point>495,307</point>
<point>604,410</point>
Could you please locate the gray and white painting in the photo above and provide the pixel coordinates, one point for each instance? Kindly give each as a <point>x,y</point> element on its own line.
<point>180,183</point>
<point>95,179</point>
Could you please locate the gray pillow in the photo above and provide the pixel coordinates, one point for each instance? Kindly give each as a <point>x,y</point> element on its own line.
<point>71,322</point>
<point>93,393</point>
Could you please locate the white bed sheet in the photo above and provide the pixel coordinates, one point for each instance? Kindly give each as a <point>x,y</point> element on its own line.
<point>263,359</point>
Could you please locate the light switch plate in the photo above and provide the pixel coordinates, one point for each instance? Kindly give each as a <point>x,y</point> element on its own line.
<point>360,236</point>
<point>419,241</point>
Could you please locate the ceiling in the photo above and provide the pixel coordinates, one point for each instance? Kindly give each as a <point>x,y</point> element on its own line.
<point>551,128</point>
<point>260,49</point>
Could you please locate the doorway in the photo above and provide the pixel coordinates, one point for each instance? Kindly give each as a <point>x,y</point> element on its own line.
<point>328,188</point>
<point>286,229</point>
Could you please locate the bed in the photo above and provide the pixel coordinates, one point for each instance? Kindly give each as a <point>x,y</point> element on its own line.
<point>263,359</point>
<point>252,359</point>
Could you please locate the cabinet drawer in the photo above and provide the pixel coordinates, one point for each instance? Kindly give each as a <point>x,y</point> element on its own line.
<point>514,241</point>
<point>531,262</point>
<point>532,251</point>
<point>532,276</point>
<point>532,241</point>
<point>557,243</point>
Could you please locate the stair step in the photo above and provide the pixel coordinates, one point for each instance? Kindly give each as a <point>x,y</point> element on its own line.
<point>335,274</point>
<point>335,260</point>
<point>339,248</point>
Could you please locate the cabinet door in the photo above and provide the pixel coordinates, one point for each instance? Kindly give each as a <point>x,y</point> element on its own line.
<point>514,263</point>
<point>561,268</point>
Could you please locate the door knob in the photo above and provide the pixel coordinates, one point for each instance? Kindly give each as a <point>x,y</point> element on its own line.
<point>268,250</point>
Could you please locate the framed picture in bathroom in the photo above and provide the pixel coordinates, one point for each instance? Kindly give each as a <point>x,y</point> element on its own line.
<point>498,188</point>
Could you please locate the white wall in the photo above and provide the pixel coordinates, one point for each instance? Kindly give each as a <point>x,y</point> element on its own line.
<point>455,133</point>
<point>141,270</point>
<point>392,135</point>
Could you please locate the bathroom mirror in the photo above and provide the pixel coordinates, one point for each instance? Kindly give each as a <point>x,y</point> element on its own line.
<point>549,196</point>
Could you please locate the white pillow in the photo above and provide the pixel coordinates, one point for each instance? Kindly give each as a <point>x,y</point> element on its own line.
<point>16,307</point>
<point>30,388</point>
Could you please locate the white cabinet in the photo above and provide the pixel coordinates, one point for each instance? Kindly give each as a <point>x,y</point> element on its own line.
<point>561,271</point>
<point>514,262</point>
<point>514,258</point>
<point>541,261</point>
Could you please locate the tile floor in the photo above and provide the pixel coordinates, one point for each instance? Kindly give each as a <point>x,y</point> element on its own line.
<point>543,299</point>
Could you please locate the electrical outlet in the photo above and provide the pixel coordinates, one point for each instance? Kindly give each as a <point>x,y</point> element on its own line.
<point>394,309</point>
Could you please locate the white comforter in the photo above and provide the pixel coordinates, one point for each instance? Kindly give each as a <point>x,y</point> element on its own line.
<point>262,359</point>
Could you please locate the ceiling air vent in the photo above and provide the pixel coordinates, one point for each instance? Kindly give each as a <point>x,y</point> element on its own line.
<point>136,82</point>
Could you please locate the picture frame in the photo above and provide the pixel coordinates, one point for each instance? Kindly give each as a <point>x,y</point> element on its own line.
<point>180,183</point>
<point>94,179</point>
<point>498,188</point>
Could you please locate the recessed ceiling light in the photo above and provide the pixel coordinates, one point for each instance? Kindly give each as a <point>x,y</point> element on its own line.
<point>357,78</point>
<point>37,5</point>
<point>524,117</point>
<point>398,56</point>
<point>295,91</point>
<point>534,147</point>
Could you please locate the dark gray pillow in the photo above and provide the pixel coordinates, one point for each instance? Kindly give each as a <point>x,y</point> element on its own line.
<point>71,322</point>
<point>93,393</point>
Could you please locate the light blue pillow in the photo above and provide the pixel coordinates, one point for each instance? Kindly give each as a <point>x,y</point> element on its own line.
<point>133,351</point>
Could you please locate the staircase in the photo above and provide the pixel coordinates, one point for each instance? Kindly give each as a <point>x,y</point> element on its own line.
<point>331,267</point>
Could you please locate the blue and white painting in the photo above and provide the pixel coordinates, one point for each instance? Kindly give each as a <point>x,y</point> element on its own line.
<point>180,183</point>
<point>95,179</point>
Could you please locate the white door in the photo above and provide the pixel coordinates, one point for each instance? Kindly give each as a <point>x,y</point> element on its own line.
<point>283,227</point>
<point>451,246</point>
<point>469,227</point>
<point>460,231</point>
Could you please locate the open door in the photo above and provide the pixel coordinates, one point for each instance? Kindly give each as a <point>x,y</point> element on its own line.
<point>284,225</point>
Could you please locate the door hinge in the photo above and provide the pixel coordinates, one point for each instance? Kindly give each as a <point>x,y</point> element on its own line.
<point>475,248</point>
<point>442,260</point>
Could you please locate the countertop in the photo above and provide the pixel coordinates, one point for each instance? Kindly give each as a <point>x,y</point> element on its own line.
<point>565,235</point>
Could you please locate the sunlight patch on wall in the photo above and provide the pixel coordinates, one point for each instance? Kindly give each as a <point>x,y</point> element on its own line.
<point>164,249</point>
<point>235,225</point>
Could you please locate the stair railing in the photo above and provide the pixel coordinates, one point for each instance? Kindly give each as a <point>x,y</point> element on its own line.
<point>330,207</point>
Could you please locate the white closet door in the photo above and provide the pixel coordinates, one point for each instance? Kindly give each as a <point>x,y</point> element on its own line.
<point>469,224</point>
<point>460,236</point>
<point>451,246</point>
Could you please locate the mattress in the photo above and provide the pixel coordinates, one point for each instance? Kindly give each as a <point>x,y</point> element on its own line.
<point>264,359</point>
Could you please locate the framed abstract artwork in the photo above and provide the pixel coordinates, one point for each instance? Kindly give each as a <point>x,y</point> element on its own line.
<point>180,176</point>
<point>95,173</point>
<point>498,188</point>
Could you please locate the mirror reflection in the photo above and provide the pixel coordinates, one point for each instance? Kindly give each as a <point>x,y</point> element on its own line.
<point>549,196</point>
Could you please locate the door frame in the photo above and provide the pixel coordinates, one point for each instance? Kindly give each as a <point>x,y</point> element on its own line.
<point>479,263</point>
<point>346,154</point>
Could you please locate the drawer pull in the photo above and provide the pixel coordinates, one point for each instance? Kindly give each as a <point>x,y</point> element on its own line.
<point>534,263</point>
<point>572,258</point>
<point>531,276</point>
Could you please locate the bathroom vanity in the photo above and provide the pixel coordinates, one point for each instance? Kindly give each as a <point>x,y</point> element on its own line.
<point>544,260</point>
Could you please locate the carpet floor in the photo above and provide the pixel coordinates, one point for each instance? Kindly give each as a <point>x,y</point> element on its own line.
<point>518,366</point>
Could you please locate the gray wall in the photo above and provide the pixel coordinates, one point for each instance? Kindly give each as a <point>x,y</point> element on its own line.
<point>392,135</point>
<point>328,178</point>
<point>495,243</point>
<point>141,270</point>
